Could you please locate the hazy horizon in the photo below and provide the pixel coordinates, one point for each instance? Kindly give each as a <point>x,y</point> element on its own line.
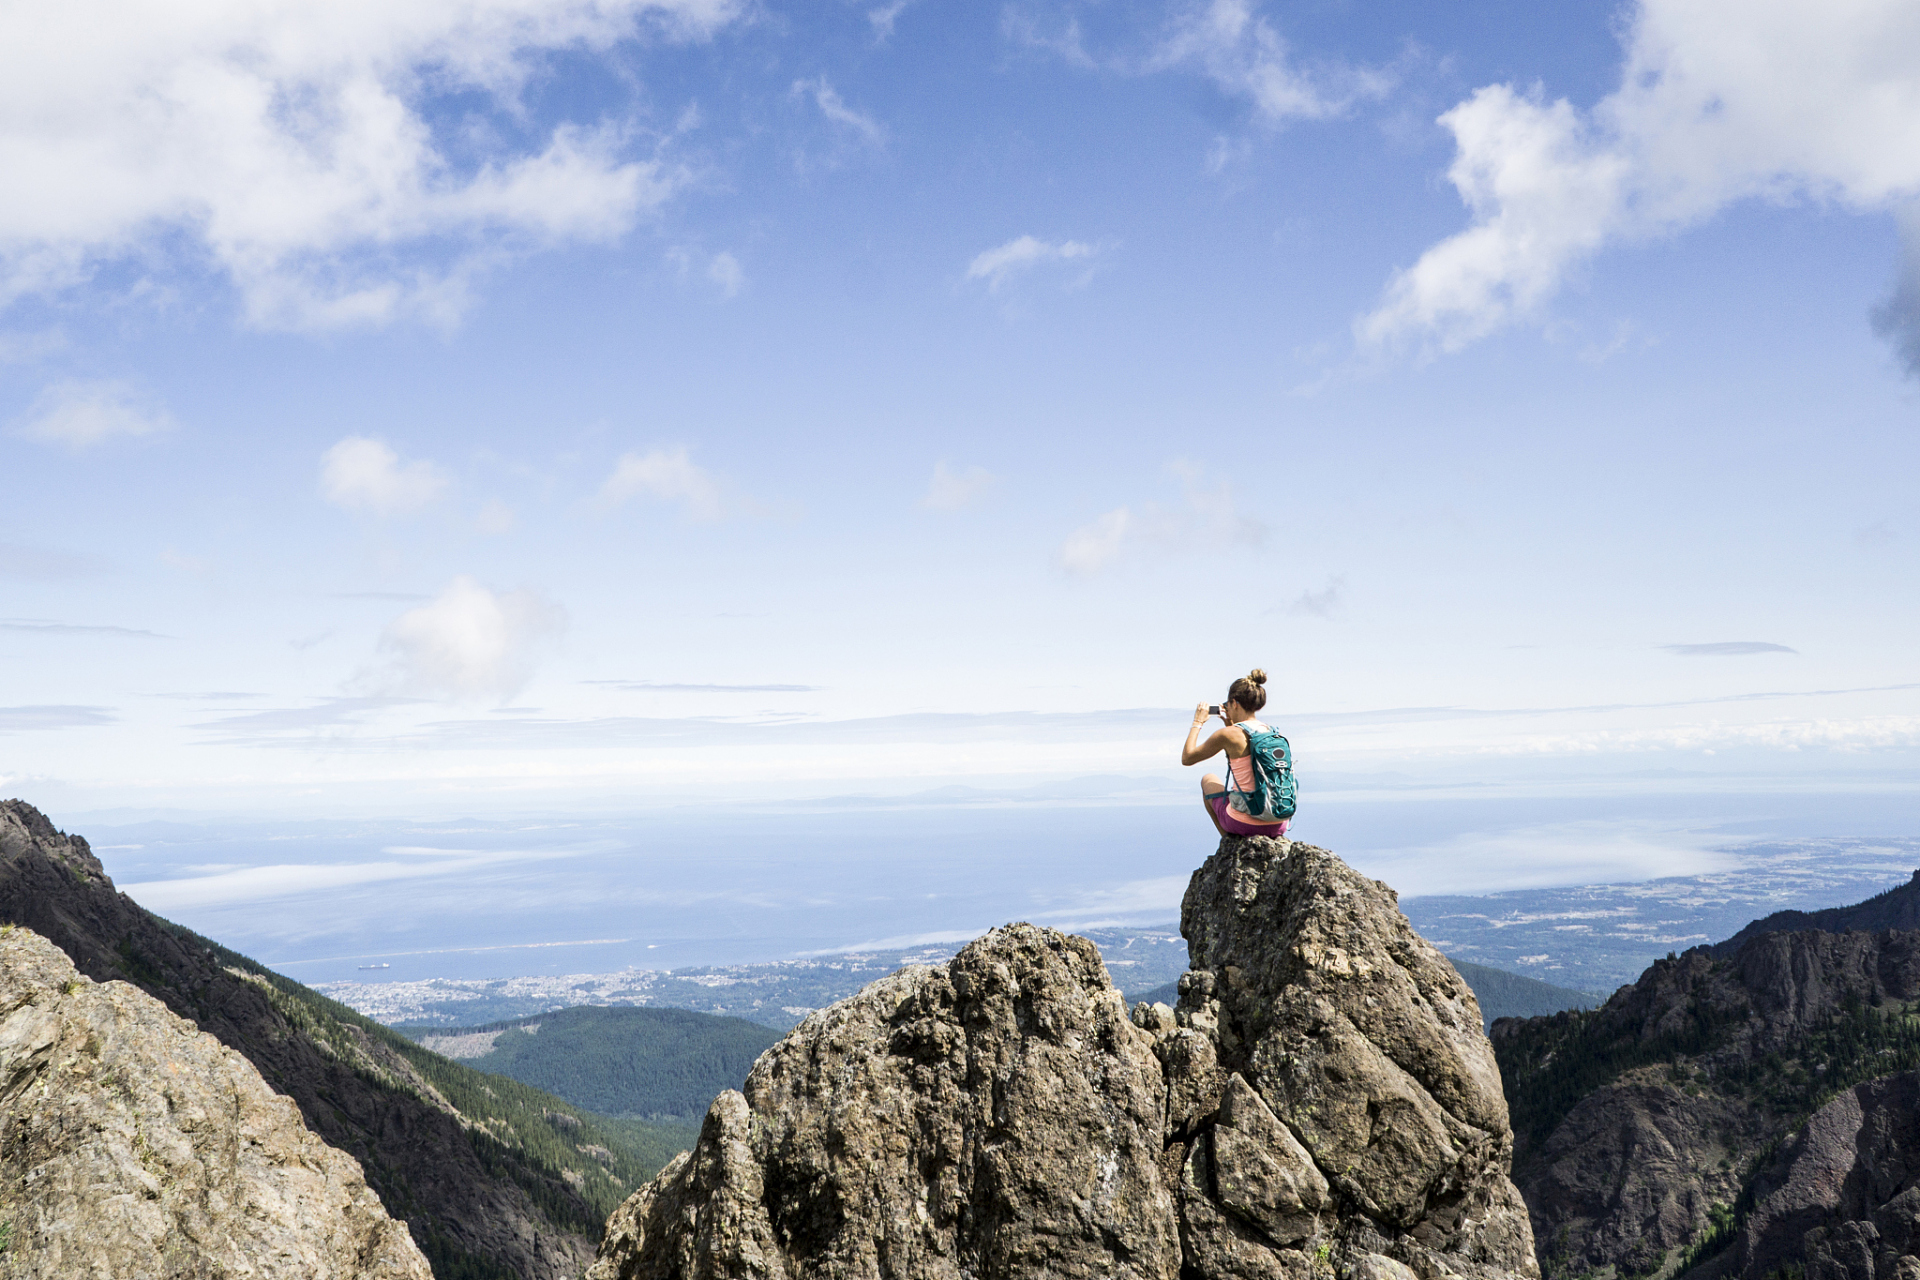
<point>648,412</point>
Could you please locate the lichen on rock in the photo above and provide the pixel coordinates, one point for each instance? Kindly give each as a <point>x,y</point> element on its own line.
<point>133,1144</point>
<point>1322,1103</point>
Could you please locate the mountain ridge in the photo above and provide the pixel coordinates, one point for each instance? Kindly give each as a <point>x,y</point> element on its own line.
<point>492,1177</point>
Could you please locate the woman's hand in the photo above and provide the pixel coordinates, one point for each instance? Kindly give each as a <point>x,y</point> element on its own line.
<point>1201,714</point>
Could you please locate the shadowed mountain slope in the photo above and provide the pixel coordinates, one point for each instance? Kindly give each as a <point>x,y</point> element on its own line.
<point>1897,908</point>
<point>132,1144</point>
<point>1651,1131</point>
<point>493,1178</point>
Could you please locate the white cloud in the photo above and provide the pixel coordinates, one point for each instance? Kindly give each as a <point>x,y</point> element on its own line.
<point>881,19</point>
<point>725,271</point>
<point>996,266</point>
<point>1204,515</point>
<point>1897,319</point>
<point>1726,649</point>
<point>468,642</point>
<point>1092,546</point>
<point>1242,54</point>
<point>292,144</point>
<point>834,108</point>
<point>366,473</point>
<point>667,474</point>
<point>81,414</point>
<point>952,490</point>
<point>1720,101</point>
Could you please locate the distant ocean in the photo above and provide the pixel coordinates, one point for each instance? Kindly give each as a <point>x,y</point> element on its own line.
<point>674,888</point>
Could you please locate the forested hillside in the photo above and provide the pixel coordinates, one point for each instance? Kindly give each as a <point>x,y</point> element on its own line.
<point>660,1063</point>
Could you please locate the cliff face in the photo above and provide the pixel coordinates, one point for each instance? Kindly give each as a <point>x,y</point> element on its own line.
<point>1322,1101</point>
<point>477,1206</point>
<point>133,1145</point>
<point>1646,1124</point>
<point>1841,1198</point>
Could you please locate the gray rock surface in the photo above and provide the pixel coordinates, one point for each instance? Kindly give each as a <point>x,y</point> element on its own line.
<point>475,1206</point>
<point>1322,1103</point>
<point>1842,1197</point>
<point>133,1145</point>
<point>1699,1068</point>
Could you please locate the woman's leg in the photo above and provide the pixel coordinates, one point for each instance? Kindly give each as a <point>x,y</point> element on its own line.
<point>1211,786</point>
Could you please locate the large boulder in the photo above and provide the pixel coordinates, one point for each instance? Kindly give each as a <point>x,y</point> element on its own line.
<point>1323,1101</point>
<point>132,1144</point>
<point>1366,1046</point>
<point>995,1116</point>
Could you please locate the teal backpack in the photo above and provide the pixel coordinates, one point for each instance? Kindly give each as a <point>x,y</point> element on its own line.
<point>1274,793</point>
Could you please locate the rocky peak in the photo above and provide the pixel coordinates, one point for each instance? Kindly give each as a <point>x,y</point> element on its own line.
<point>132,1144</point>
<point>1322,1101</point>
<point>23,828</point>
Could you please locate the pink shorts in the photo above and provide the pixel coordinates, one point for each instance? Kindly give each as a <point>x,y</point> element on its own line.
<point>1236,824</point>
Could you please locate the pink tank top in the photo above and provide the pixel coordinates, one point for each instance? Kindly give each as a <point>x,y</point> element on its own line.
<point>1243,766</point>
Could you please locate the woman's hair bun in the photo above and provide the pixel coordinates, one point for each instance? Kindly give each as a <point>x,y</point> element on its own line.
<point>1257,676</point>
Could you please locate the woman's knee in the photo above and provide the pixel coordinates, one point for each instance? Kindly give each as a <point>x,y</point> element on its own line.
<point>1210,785</point>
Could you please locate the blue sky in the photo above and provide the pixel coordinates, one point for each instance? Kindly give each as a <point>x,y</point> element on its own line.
<point>502,407</point>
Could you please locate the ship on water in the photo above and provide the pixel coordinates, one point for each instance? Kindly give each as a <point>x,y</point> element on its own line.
<point>376,966</point>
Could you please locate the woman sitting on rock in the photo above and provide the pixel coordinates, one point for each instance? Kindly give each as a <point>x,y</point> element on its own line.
<point>1257,796</point>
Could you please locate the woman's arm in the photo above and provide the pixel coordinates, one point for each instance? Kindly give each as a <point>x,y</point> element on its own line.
<point>1195,751</point>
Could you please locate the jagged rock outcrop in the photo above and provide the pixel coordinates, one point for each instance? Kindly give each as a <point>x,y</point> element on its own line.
<point>1841,1198</point>
<point>477,1207</point>
<point>1641,1125</point>
<point>1322,1102</point>
<point>132,1144</point>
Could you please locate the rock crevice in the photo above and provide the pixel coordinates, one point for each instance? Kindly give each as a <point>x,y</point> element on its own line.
<point>1321,1103</point>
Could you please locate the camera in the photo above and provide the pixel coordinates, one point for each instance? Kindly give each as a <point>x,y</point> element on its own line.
<point>1213,710</point>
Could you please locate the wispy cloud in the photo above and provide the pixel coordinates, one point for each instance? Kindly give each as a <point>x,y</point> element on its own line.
<point>882,18</point>
<point>213,696</point>
<point>24,563</point>
<point>953,488</point>
<point>80,414</point>
<point>364,473</point>
<point>669,475</point>
<point>326,714</point>
<point>1726,649</point>
<point>1244,55</point>
<point>1002,263</point>
<point>31,627</point>
<point>1205,514</point>
<point>836,110</point>
<point>1321,603</point>
<point>298,880</point>
<point>727,275</point>
<point>19,719</point>
<point>644,686</point>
